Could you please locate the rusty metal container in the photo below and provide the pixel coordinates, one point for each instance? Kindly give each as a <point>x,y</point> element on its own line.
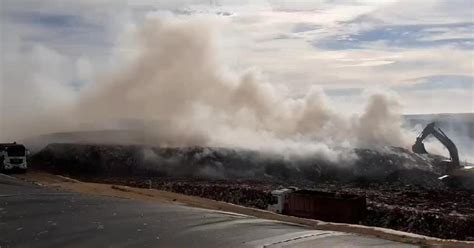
<point>344,208</point>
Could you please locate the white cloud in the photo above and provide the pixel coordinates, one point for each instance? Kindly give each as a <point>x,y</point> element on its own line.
<point>440,101</point>
<point>255,34</point>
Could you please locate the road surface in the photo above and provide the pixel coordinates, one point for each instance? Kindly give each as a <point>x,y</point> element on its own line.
<point>33,216</point>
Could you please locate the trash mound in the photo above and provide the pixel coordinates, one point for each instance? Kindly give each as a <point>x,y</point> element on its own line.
<point>78,159</point>
<point>225,163</point>
<point>451,225</point>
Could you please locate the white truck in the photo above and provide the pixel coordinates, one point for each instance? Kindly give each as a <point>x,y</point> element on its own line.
<point>13,157</point>
<point>279,198</point>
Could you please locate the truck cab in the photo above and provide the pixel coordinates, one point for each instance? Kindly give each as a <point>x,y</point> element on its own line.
<point>279,199</point>
<point>13,157</point>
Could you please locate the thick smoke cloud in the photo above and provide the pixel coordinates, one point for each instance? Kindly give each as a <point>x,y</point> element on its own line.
<point>177,91</point>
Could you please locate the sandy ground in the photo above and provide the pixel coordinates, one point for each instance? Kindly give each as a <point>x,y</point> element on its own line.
<point>152,195</point>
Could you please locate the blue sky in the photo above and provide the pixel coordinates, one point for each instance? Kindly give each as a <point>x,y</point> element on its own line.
<point>405,36</point>
<point>421,50</point>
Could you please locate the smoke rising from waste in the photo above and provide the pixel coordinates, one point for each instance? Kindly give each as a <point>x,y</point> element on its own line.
<point>179,91</point>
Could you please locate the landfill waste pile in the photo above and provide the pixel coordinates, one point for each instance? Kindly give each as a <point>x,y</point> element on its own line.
<point>224,163</point>
<point>402,189</point>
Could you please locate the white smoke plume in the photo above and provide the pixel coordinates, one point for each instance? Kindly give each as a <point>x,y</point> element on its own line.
<point>178,92</point>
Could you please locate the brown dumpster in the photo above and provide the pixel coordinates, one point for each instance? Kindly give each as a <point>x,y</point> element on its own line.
<point>334,207</point>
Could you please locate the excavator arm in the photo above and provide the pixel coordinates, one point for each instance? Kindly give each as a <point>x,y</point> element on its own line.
<point>430,129</point>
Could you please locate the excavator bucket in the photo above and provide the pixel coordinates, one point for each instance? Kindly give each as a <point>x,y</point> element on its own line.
<point>419,147</point>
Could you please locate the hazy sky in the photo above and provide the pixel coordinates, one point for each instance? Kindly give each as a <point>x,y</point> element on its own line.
<point>421,50</point>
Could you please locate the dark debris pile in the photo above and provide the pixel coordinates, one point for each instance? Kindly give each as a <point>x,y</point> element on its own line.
<point>244,193</point>
<point>442,213</point>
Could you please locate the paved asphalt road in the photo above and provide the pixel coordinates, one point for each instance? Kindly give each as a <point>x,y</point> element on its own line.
<point>32,216</point>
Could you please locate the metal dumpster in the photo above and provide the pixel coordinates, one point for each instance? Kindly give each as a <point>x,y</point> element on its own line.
<point>333,207</point>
